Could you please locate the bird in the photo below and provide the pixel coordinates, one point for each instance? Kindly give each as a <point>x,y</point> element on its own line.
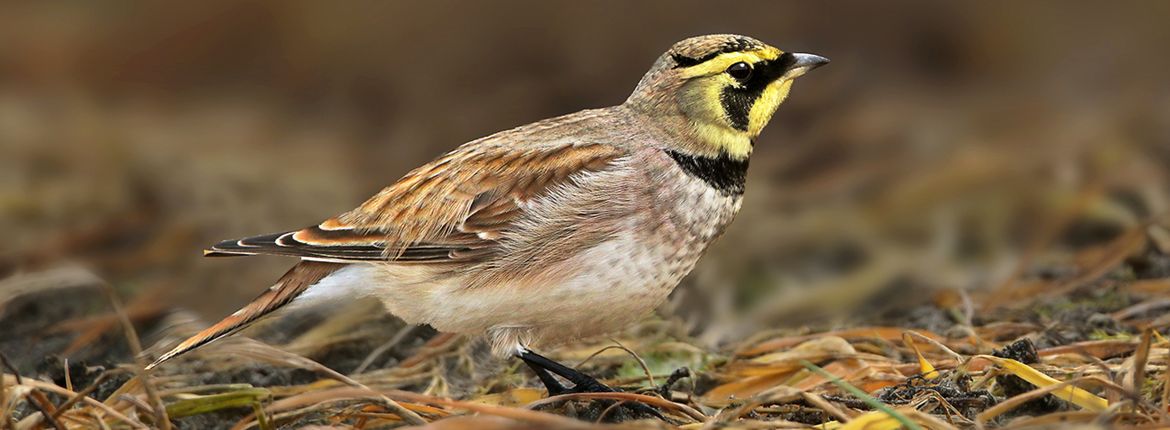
<point>565,228</point>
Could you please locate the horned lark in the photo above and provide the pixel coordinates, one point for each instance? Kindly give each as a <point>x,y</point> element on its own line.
<point>564,228</point>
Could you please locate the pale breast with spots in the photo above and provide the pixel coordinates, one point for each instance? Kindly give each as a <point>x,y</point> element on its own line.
<point>623,279</point>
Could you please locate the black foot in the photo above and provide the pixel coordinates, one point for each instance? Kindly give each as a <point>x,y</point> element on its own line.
<point>582,383</point>
<point>678,374</point>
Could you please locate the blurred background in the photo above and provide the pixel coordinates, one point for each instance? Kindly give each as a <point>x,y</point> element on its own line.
<point>950,147</point>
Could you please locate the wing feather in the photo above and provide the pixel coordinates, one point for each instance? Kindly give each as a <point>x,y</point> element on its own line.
<point>292,284</point>
<point>454,209</point>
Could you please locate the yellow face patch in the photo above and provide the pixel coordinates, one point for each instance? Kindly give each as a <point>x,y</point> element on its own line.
<point>766,105</point>
<point>737,144</point>
<point>709,97</point>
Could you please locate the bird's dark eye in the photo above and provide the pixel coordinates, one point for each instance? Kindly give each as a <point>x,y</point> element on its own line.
<point>741,71</point>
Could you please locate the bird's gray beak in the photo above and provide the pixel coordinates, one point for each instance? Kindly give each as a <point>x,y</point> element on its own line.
<point>804,63</point>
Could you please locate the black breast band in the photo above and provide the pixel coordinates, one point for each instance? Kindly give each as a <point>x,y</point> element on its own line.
<point>722,173</point>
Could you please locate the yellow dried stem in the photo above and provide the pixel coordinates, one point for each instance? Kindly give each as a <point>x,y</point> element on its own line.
<point>1062,390</point>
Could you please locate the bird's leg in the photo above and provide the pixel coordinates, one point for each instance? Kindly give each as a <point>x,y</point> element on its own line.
<point>582,383</point>
<point>542,365</point>
<point>550,382</point>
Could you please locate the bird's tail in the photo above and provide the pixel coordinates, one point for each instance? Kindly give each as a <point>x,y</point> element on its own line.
<point>292,284</point>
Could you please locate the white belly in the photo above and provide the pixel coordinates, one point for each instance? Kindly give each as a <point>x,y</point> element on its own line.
<point>610,286</point>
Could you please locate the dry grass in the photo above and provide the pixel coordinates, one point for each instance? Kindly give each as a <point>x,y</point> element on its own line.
<point>973,375</point>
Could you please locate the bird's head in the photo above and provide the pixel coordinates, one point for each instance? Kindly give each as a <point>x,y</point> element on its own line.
<point>724,88</point>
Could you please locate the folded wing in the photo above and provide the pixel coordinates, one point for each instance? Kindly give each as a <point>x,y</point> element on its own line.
<point>454,209</point>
